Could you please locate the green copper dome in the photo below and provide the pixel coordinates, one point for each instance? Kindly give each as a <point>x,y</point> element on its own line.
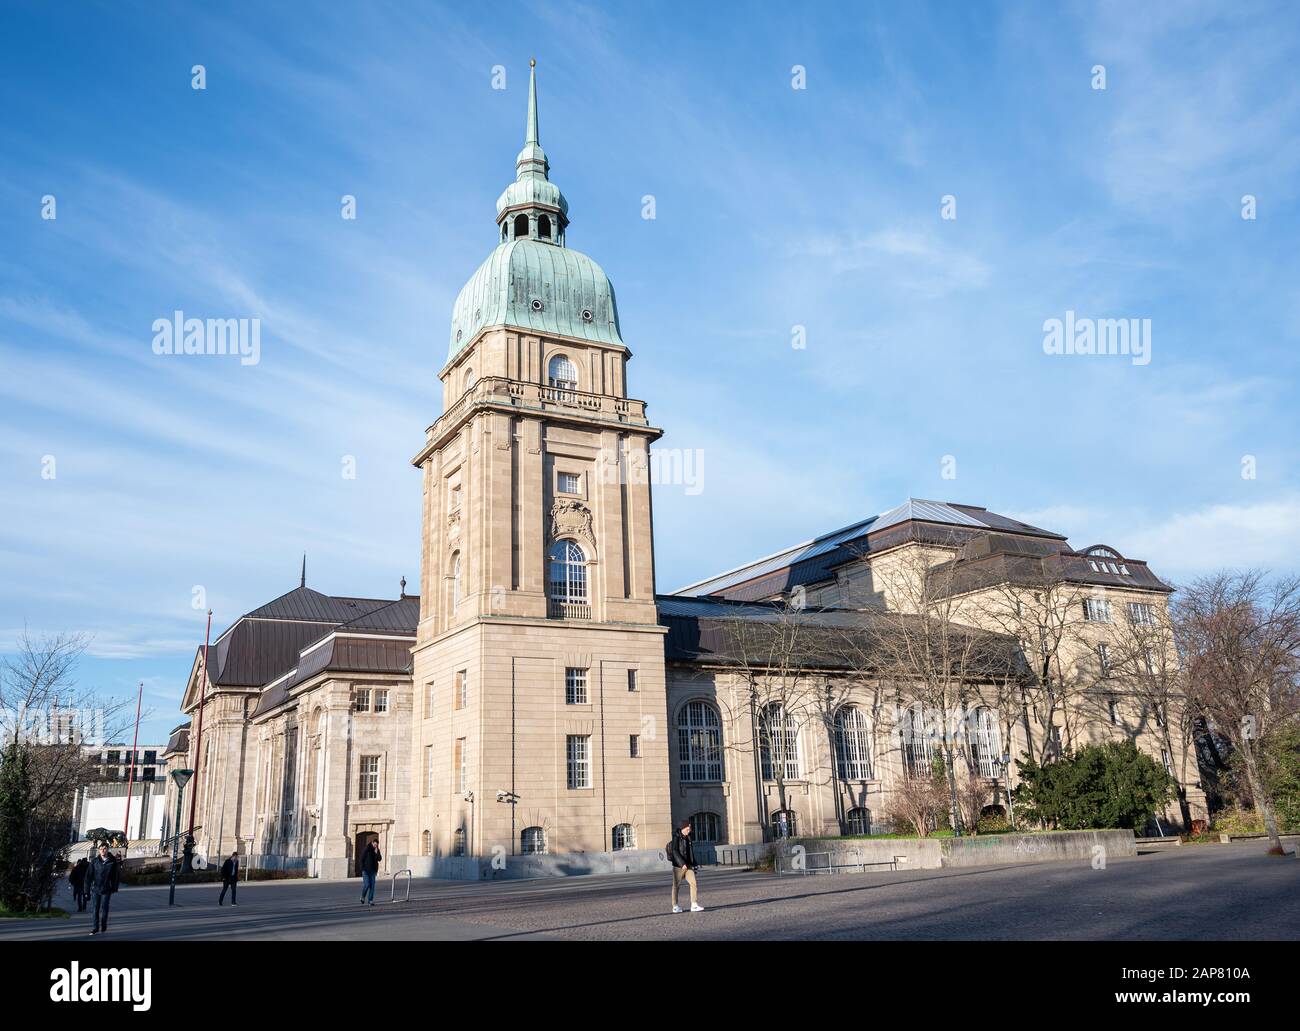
<point>539,287</point>
<point>532,281</point>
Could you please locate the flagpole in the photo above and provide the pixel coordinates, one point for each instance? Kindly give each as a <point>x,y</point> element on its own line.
<point>130,776</point>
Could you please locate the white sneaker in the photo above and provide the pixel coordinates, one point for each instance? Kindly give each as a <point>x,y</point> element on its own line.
<point>696,908</point>
<point>677,909</point>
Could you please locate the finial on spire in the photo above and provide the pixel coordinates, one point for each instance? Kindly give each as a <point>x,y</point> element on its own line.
<point>403,591</point>
<point>530,134</point>
<point>303,581</point>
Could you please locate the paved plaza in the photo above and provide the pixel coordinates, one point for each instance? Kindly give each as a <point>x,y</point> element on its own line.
<point>1209,892</point>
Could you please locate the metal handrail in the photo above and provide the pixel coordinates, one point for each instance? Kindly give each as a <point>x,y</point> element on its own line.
<point>398,874</point>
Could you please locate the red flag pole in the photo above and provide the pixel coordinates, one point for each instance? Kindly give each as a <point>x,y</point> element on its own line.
<point>130,776</point>
<point>198,743</point>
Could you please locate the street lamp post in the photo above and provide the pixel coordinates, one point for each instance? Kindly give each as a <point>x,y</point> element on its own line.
<point>180,778</point>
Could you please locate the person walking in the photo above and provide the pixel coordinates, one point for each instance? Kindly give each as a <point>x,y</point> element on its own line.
<point>103,875</point>
<point>370,860</point>
<point>77,878</point>
<point>681,853</point>
<point>229,879</point>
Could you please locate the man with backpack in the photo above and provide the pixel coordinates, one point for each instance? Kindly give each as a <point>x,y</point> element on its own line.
<point>681,853</point>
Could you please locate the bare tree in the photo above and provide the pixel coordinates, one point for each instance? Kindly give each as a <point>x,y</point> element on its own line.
<point>1036,604</point>
<point>46,717</point>
<point>936,664</point>
<point>1239,634</point>
<point>783,653</point>
<point>1144,660</point>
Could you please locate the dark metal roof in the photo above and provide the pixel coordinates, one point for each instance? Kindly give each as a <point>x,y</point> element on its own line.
<point>342,654</point>
<point>255,651</point>
<point>395,617</point>
<point>179,740</point>
<point>305,604</point>
<point>705,630</point>
<point>813,561</point>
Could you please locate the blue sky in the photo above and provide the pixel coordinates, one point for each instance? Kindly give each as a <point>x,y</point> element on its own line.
<point>775,207</point>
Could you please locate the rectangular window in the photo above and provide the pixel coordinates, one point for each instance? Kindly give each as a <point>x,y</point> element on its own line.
<point>148,773</point>
<point>428,699</point>
<point>458,762</point>
<point>1141,613</point>
<point>631,680</point>
<point>363,699</point>
<point>381,700</point>
<point>150,757</point>
<point>634,746</point>
<point>1149,658</point>
<point>428,770</point>
<point>1166,761</point>
<point>570,483</point>
<point>578,751</point>
<point>1113,708</point>
<point>575,686</point>
<point>113,758</point>
<point>1096,610</point>
<point>1103,659</point>
<point>368,782</point>
<point>462,688</point>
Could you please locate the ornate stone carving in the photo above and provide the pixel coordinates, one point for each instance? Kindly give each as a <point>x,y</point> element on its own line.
<point>571,518</point>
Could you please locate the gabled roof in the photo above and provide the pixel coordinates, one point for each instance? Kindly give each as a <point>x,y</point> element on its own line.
<point>264,644</point>
<point>305,604</point>
<point>813,560</point>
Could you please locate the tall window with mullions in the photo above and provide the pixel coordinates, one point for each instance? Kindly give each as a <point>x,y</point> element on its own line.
<point>699,743</point>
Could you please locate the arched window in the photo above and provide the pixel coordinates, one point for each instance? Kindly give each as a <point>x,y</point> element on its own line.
<point>543,227</point>
<point>455,580</point>
<point>562,373</point>
<point>521,226</point>
<point>706,828</point>
<point>699,743</point>
<point>532,841</point>
<point>567,578</point>
<point>623,837</point>
<point>859,820</point>
<point>469,377</point>
<point>985,742</point>
<point>778,743</point>
<point>917,743</point>
<point>426,844</point>
<point>853,743</point>
<point>784,824</point>
<point>458,842</point>
<point>505,231</point>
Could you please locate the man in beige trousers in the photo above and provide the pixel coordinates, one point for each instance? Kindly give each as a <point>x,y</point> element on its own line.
<point>681,853</point>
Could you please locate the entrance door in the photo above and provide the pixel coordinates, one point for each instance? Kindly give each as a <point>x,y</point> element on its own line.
<point>363,842</point>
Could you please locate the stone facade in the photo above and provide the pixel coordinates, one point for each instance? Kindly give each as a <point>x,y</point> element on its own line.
<point>543,709</point>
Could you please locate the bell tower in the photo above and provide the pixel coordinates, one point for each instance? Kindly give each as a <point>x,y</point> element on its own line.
<point>540,705</point>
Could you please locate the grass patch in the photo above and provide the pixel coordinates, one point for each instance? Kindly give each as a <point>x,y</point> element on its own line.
<point>53,913</point>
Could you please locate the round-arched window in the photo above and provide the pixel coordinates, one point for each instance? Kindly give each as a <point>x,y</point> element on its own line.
<point>543,227</point>
<point>567,577</point>
<point>623,836</point>
<point>521,226</point>
<point>562,373</point>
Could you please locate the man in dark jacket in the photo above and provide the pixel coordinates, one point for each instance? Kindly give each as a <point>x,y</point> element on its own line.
<point>681,853</point>
<point>370,860</point>
<point>77,878</point>
<point>103,873</point>
<point>229,879</point>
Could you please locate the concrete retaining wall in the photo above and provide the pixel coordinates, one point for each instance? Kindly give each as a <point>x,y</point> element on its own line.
<point>980,850</point>
<point>573,864</point>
